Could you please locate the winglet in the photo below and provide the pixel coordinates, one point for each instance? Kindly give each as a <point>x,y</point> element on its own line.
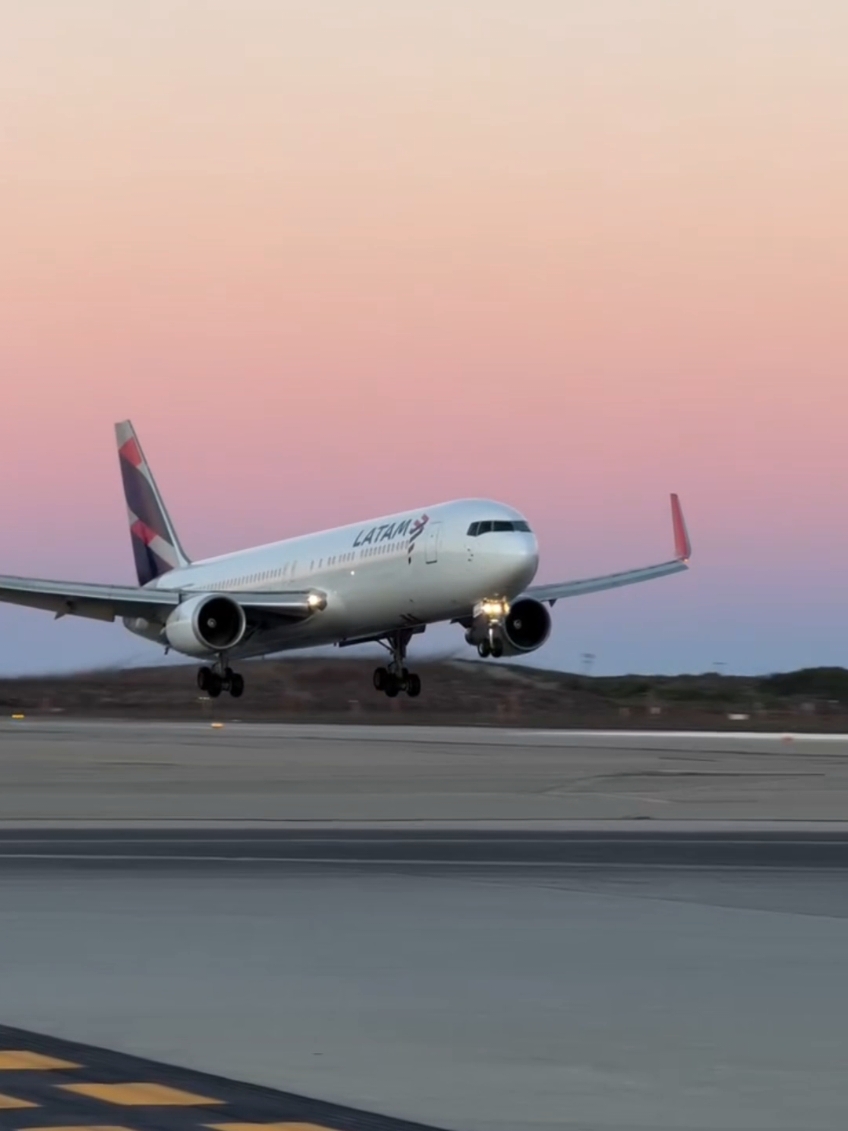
<point>682,545</point>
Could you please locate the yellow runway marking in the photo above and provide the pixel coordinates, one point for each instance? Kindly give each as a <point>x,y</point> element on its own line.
<point>16,1060</point>
<point>268,1127</point>
<point>137,1095</point>
<point>11,1103</point>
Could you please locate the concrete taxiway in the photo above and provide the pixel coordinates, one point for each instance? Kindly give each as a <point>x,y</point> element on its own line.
<point>466,929</point>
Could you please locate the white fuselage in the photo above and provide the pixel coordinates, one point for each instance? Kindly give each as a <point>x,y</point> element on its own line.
<point>414,568</point>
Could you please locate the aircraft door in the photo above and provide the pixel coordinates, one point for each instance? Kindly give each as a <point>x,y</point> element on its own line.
<point>432,548</point>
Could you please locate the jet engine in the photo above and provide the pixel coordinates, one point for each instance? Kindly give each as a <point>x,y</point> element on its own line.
<point>503,630</point>
<point>527,627</point>
<point>204,626</point>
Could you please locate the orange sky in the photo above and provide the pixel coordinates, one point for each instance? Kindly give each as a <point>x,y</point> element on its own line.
<point>337,259</point>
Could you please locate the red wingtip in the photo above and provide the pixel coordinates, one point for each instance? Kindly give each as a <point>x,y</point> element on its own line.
<point>682,545</point>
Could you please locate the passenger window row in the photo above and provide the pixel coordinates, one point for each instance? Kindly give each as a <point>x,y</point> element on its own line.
<point>250,579</point>
<point>289,569</point>
<point>383,548</point>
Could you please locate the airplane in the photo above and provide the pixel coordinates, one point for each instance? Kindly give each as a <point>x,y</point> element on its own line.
<point>469,562</point>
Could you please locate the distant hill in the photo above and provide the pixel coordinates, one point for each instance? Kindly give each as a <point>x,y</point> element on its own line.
<point>456,692</point>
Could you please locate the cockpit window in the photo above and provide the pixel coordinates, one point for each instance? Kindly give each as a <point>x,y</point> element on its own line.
<point>496,526</point>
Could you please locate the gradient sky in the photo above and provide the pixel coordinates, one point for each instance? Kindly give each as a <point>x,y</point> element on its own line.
<point>340,259</point>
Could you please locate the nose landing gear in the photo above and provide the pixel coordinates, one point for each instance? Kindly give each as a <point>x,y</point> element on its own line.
<point>396,677</point>
<point>486,628</point>
<point>220,678</point>
<point>493,646</point>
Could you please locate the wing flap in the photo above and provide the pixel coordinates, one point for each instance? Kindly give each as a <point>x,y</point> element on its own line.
<point>683,551</point>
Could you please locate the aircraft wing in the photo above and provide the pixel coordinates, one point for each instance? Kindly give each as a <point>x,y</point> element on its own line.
<point>75,598</point>
<point>680,562</point>
<point>106,602</point>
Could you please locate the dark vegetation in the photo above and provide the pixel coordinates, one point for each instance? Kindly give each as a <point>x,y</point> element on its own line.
<point>455,692</point>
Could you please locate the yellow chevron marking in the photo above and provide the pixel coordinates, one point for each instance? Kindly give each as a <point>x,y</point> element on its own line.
<point>138,1095</point>
<point>12,1103</point>
<point>17,1060</point>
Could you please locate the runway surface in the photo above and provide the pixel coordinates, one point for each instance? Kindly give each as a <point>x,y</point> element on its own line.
<point>284,850</point>
<point>50,1083</point>
<point>191,772</point>
<point>473,931</point>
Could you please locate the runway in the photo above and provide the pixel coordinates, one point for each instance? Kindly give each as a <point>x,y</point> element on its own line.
<point>49,1082</point>
<point>68,771</point>
<point>468,930</point>
<point>354,851</point>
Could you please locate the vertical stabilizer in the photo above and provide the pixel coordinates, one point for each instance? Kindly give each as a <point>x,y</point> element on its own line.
<point>156,547</point>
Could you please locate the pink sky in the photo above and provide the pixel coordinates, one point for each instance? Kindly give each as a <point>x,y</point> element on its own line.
<point>338,259</point>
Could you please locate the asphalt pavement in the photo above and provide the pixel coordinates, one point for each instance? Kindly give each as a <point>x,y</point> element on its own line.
<point>478,931</point>
<point>372,850</point>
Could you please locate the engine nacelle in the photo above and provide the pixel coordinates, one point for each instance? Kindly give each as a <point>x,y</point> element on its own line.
<point>524,628</point>
<point>527,626</point>
<point>204,626</point>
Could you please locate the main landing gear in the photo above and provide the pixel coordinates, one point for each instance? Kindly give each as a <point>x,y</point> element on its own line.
<point>220,678</point>
<point>492,647</point>
<point>396,677</point>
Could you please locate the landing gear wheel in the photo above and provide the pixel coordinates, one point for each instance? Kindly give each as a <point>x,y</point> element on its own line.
<point>203,678</point>
<point>392,686</point>
<point>236,685</point>
<point>484,648</point>
<point>396,677</point>
<point>214,686</point>
<point>413,686</point>
<point>497,648</point>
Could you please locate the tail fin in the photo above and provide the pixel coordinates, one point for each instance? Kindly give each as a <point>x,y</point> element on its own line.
<point>156,547</point>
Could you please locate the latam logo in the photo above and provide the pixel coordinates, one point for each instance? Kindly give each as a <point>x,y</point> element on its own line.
<point>416,530</point>
<point>390,531</point>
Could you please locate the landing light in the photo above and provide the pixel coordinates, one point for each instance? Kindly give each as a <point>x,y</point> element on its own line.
<point>316,601</point>
<point>494,608</point>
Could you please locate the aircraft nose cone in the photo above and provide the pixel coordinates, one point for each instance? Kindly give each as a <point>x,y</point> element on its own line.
<point>521,562</point>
